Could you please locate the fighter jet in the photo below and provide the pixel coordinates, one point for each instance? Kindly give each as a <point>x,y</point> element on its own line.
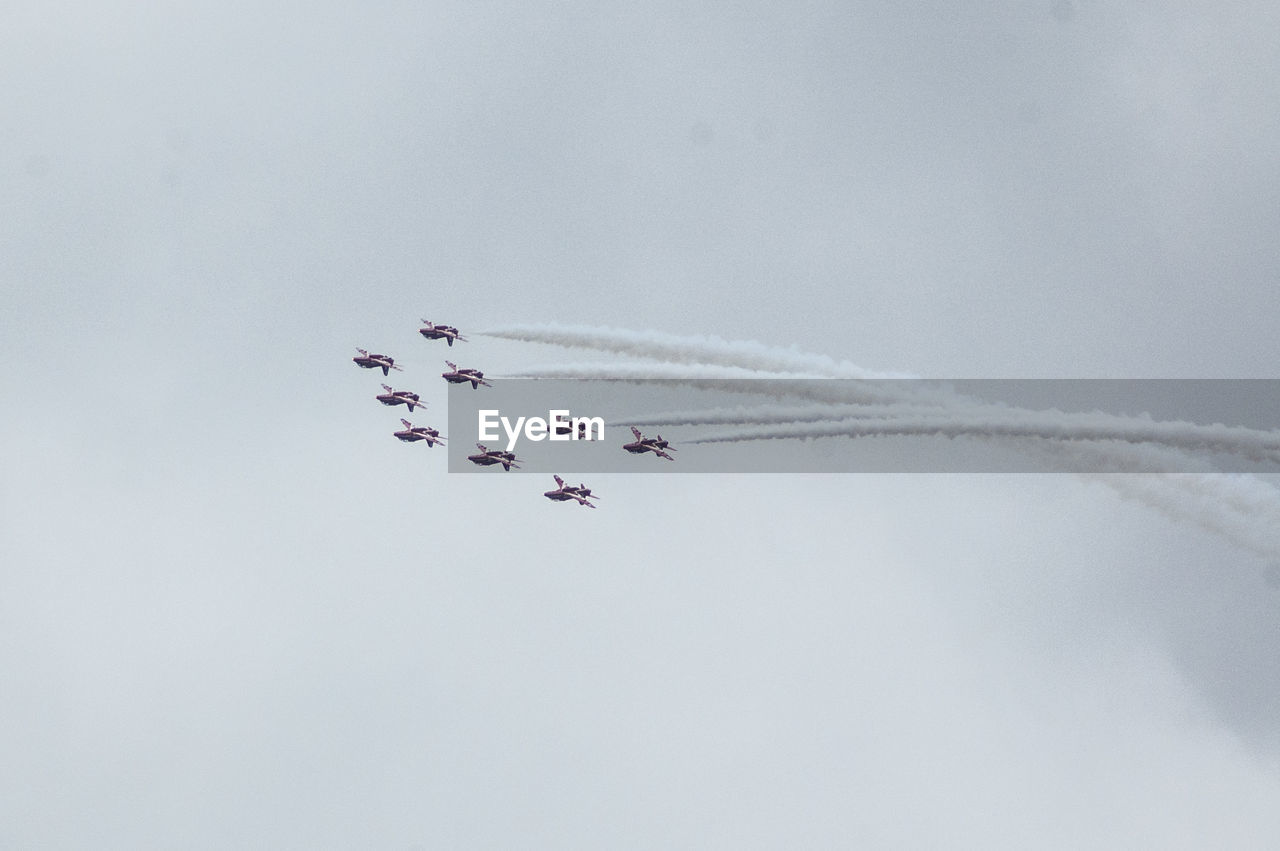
<point>584,431</point>
<point>488,457</point>
<point>399,397</point>
<point>462,376</point>
<point>440,332</point>
<point>413,435</point>
<point>564,493</point>
<point>368,361</point>
<point>642,444</point>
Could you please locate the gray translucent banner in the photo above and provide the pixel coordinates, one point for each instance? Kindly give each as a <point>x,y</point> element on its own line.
<point>848,426</point>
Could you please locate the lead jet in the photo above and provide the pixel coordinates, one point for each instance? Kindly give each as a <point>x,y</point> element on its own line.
<point>488,457</point>
<point>399,397</point>
<point>441,332</point>
<point>564,493</point>
<point>368,361</point>
<point>642,444</point>
<point>413,435</point>
<point>462,376</point>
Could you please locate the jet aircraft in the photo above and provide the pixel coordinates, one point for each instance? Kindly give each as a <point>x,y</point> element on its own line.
<point>584,431</point>
<point>440,332</point>
<point>368,361</point>
<point>564,493</point>
<point>463,376</point>
<point>399,397</point>
<point>642,444</point>
<point>488,457</point>
<point>413,435</point>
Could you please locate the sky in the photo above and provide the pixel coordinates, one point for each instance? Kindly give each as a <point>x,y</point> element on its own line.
<point>234,612</point>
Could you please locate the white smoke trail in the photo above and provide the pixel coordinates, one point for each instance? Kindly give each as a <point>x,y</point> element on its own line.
<point>1253,444</point>
<point>1242,508</point>
<point>647,371</point>
<point>778,385</point>
<point>1201,498</point>
<point>769,414</point>
<point>672,348</point>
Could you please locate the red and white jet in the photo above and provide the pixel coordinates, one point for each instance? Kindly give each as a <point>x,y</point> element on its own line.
<point>413,435</point>
<point>642,444</point>
<point>440,332</point>
<point>368,361</point>
<point>399,397</point>
<point>463,376</point>
<point>564,493</point>
<point>488,457</point>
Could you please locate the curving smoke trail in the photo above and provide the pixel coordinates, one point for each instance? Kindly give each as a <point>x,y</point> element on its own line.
<point>1241,508</point>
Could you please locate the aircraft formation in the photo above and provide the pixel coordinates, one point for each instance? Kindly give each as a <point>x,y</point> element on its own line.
<point>580,493</point>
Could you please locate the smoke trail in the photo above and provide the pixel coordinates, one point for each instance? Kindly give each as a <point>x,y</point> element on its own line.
<point>727,379</point>
<point>770,414</point>
<point>1253,444</point>
<point>647,371</point>
<point>1195,498</point>
<point>672,348</point>
<point>776,385</point>
<point>1242,508</point>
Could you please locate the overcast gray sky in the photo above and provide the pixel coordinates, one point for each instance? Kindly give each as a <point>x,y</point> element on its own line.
<point>234,612</point>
